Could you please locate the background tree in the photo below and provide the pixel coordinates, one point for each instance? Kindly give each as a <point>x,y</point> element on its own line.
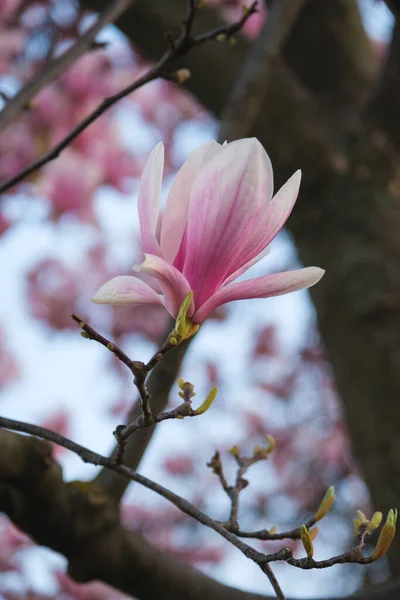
<point>314,90</point>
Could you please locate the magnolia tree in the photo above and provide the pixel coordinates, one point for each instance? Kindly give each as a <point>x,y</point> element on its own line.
<point>279,432</point>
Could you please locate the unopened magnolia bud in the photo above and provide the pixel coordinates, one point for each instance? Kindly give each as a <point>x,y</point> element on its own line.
<point>307,541</point>
<point>184,328</point>
<point>384,541</point>
<point>326,503</point>
<point>207,402</point>
<point>375,521</point>
<point>262,452</point>
<point>182,75</point>
<point>391,519</point>
<point>235,450</point>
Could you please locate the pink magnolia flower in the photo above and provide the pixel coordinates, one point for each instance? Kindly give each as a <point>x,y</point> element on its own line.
<point>218,221</point>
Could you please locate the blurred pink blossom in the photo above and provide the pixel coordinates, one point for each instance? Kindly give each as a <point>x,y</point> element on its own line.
<point>9,370</point>
<point>52,108</point>
<point>7,7</point>
<point>69,182</point>
<point>11,45</point>
<point>52,293</point>
<point>180,466</point>
<point>87,591</point>
<point>4,224</point>
<point>116,162</point>
<point>89,73</point>
<point>265,342</point>
<point>59,422</point>
<point>17,149</point>
<point>12,540</point>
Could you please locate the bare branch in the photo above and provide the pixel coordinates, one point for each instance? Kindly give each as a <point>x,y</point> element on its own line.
<point>82,522</point>
<point>248,95</point>
<point>89,333</point>
<point>354,555</point>
<point>160,382</point>
<point>57,66</point>
<point>140,372</point>
<point>233,491</point>
<point>97,459</point>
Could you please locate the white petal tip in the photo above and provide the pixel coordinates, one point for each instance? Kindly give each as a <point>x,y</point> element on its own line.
<point>109,293</point>
<point>126,289</point>
<point>101,298</point>
<point>315,275</point>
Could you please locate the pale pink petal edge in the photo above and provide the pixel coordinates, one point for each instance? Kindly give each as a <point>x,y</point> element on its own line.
<point>261,287</point>
<point>126,289</point>
<point>149,199</point>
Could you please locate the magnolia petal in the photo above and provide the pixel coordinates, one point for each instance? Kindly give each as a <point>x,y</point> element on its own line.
<point>174,285</point>
<point>149,199</point>
<point>126,289</point>
<point>261,287</point>
<point>230,193</point>
<point>262,229</point>
<point>175,215</point>
<point>281,206</point>
<point>247,266</point>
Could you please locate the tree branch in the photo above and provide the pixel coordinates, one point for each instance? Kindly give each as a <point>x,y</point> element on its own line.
<point>161,380</point>
<point>82,522</point>
<point>259,558</point>
<point>244,106</point>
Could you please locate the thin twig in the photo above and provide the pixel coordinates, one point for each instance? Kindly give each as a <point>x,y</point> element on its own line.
<point>176,50</point>
<point>353,555</point>
<point>233,491</point>
<point>138,369</point>
<point>265,535</point>
<point>92,334</point>
<point>124,432</point>
<point>140,372</point>
<point>57,66</point>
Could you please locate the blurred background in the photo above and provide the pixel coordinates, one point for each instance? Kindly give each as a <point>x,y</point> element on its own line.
<point>72,226</point>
